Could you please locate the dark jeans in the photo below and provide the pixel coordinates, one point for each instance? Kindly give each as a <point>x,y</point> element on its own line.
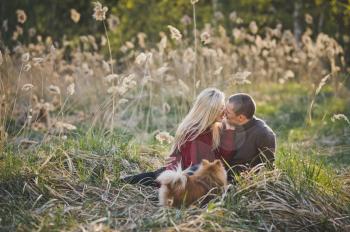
<point>146,178</point>
<point>149,178</point>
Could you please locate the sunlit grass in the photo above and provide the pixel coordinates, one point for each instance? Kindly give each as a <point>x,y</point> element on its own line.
<point>62,152</point>
<point>81,174</point>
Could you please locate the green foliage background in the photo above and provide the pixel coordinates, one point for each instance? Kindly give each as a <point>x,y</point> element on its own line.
<point>52,17</point>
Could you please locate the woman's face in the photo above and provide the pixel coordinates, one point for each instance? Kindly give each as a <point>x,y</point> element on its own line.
<point>221,114</point>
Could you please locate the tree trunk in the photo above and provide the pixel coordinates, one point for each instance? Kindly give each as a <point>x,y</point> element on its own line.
<point>321,19</point>
<point>215,8</point>
<point>297,28</point>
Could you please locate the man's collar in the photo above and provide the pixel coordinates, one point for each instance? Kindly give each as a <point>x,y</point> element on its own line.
<point>247,125</point>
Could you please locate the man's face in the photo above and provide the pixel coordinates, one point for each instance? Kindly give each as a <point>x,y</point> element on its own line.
<point>231,116</point>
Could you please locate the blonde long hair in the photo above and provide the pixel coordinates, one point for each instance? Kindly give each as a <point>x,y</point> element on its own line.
<point>203,114</point>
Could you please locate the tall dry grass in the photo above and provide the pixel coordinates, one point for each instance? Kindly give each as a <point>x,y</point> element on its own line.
<point>55,176</point>
<point>76,190</point>
<point>152,89</point>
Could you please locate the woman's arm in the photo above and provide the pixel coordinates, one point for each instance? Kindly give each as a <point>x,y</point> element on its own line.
<point>174,159</point>
<point>193,152</point>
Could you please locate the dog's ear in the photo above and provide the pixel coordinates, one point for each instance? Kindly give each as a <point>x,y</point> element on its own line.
<point>217,162</point>
<point>170,202</point>
<point>205,162</point>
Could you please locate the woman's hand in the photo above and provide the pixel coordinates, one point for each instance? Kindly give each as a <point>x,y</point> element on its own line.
<point>227,125</point>
<point>169,160</point>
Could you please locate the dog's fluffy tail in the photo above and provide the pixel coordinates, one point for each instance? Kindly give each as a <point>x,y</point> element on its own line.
<point>173,177</point>
<point>170,179</point>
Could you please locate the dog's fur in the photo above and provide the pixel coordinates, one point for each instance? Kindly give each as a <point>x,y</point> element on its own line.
<point>179,189</point>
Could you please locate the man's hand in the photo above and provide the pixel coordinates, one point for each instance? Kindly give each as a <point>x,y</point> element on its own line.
<point>227,125</point>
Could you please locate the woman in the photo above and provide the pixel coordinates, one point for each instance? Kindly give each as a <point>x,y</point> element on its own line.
<point>197,137</point>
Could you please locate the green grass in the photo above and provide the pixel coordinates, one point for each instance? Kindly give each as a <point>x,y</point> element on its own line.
<point>40,187</point>
<point>67,184</point>
<point>286,112</point>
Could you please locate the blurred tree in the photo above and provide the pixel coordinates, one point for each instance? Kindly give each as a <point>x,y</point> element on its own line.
<point>48,18</point>
<point>153,16</point>
<point>297,28</point>
<point>52,17</point>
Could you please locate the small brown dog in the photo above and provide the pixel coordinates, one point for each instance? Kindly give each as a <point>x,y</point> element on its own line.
<point>180,189</point>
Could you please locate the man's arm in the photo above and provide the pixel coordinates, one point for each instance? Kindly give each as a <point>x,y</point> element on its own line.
<point>266,145</point>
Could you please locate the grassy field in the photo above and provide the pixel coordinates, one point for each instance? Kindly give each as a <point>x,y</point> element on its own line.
<point>71,127</point>
<point>73,183</point>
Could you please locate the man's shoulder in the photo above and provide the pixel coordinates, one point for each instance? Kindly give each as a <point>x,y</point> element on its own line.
<point>262,127</point>
<point>265,137</point>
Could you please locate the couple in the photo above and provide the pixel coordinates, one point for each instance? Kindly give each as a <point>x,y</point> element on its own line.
<point>215,130</point>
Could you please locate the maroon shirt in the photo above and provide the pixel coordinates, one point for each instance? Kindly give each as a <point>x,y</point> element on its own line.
<point>225,151</point>
<point>193,152</point>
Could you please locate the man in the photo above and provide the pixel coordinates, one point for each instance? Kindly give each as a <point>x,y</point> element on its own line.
<point>254,141</point>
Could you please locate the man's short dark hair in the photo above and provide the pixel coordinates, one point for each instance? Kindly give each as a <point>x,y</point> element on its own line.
<point>243,104</point>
